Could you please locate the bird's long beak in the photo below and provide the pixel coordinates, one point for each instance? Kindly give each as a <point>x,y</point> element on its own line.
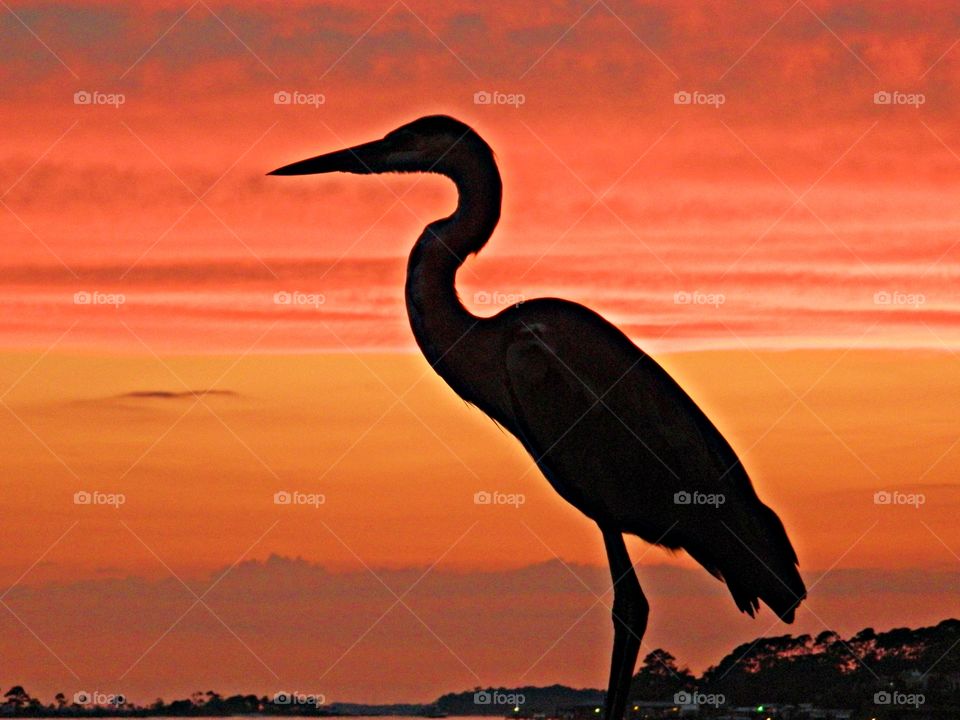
<point>361,159</point>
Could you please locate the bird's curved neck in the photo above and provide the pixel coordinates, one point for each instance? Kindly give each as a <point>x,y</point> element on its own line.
<point>438,318</point>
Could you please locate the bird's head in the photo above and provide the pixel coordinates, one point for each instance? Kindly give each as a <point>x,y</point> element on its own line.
<point>435,143</point>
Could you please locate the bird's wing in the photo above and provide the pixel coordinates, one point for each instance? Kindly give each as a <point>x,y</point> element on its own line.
<point>586,407</point>
<point>621,440</point>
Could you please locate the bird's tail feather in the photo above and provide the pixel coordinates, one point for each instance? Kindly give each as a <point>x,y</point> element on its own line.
<point>757,562</point>
<point>769,569</point>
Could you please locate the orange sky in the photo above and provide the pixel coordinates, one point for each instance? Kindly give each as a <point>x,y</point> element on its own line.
<point>398,459</point>
<point>815,231</point>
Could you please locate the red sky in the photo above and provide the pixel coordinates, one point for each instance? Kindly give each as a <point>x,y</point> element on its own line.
<point>816,230</point>
<point>697,198</point>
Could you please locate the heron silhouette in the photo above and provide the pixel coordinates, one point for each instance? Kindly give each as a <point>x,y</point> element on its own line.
<point>612,432</point>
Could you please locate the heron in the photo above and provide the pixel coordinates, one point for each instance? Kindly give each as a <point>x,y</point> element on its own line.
<point>611,431</point>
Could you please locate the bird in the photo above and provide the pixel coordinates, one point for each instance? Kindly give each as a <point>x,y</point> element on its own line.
<point>611,431</point>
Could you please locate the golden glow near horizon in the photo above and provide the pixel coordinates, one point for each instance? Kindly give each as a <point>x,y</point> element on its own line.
<point>386,463</point>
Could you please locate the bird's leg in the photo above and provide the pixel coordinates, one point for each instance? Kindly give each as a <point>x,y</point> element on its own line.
<point>630,611</point>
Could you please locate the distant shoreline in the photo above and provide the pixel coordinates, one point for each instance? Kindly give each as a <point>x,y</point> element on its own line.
<point>867,675</point>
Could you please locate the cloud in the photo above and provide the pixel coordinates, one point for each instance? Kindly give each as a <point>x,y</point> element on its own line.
<point>816,45</point>
<point>168,395</point>
<point>699,198</point>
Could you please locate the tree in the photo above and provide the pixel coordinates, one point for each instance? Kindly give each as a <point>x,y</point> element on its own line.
<point>17,697</point>
<point>659,678</point>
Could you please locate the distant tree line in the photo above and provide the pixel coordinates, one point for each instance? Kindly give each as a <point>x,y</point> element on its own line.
<point>827,671</point>
<point>18,703</point>
<point>859,673</point>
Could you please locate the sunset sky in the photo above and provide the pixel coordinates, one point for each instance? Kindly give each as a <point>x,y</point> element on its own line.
<point>790,252</point>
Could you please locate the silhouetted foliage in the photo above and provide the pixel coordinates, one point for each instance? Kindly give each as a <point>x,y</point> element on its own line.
<point>659,677</point>
<point>778,672</point>
<point>828,671</point>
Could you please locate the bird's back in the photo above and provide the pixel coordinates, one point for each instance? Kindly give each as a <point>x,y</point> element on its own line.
<point>620,439</point>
